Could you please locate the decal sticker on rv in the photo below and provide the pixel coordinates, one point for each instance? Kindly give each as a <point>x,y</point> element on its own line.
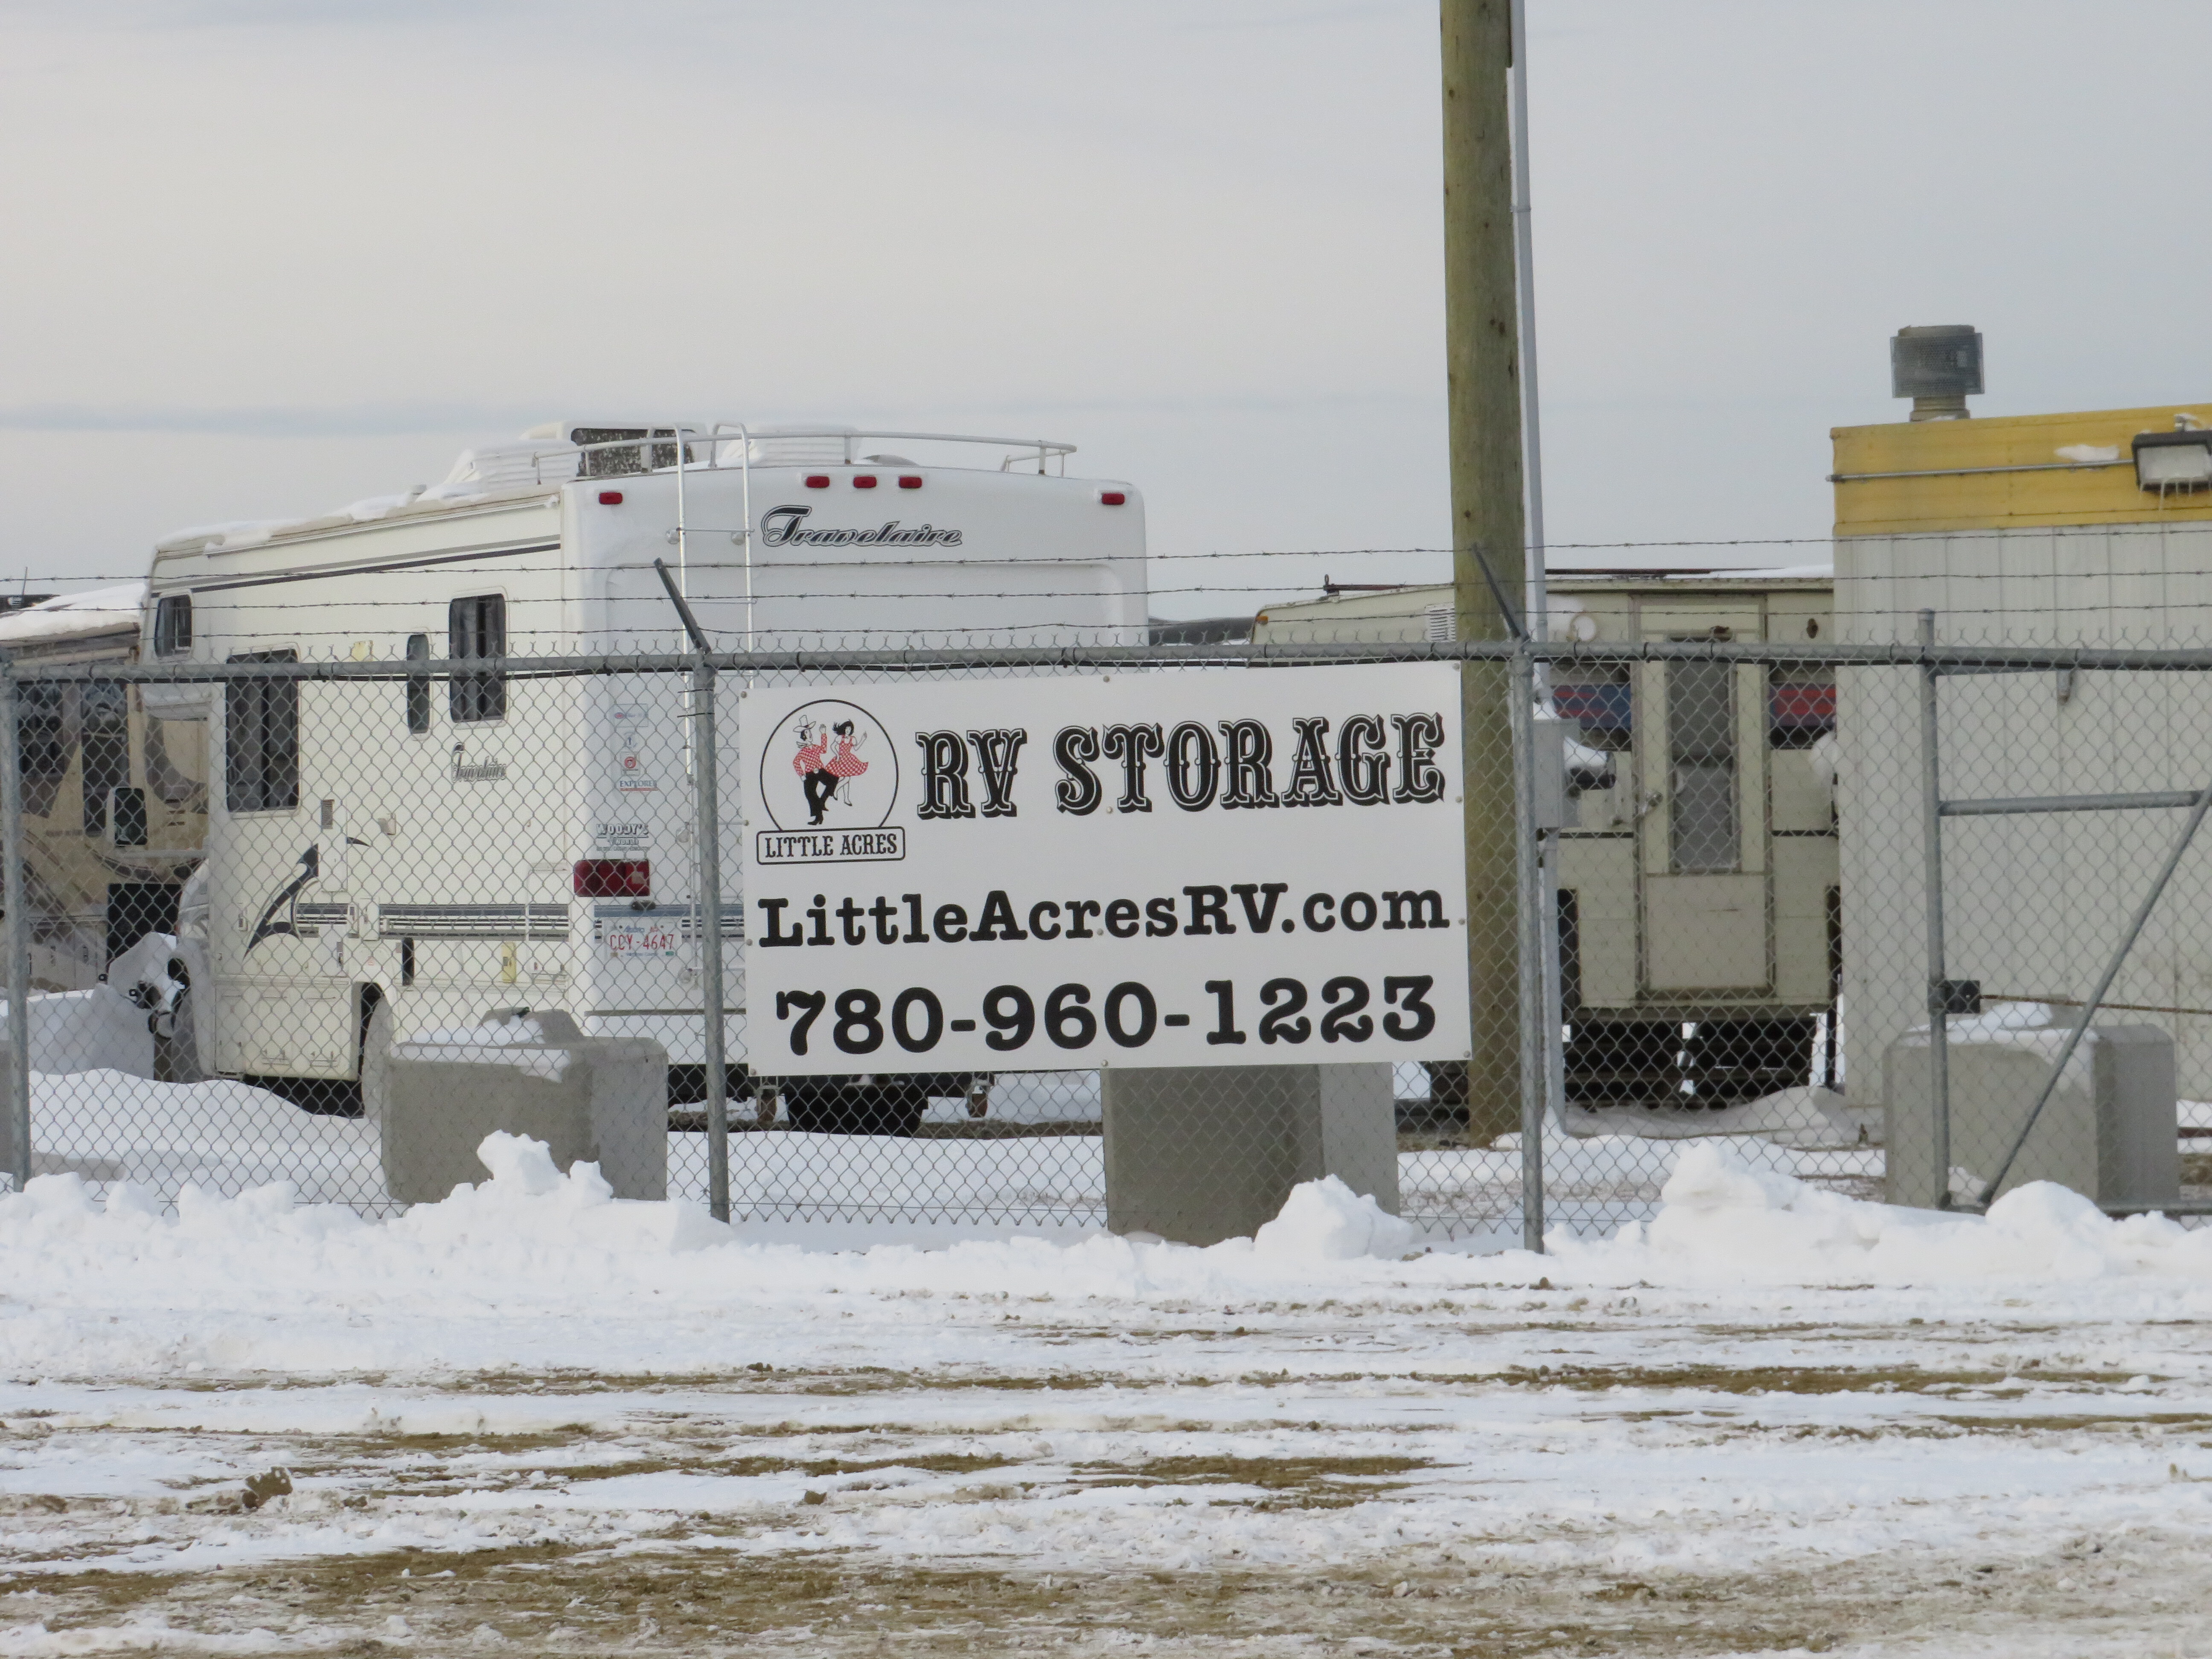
<point>282,915</point>
<point>632,775</point>
<point>785,526</point>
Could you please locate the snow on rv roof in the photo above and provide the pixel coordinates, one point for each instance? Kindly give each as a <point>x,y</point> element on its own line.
<point>76,616</point>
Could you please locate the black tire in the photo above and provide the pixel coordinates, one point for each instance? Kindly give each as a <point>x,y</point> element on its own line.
<point>830,1108</point>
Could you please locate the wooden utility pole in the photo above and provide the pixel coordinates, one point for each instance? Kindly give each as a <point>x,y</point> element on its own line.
<point>1482,362</point>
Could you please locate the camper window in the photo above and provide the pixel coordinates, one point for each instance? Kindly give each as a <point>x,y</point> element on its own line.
<point>172,626</point>
<point>418,685</point>
<point>1701,734</point>
<point>261,732</point>
<point>1801,707</point>
<point>106,749</point>
<point>1599,698</point>
<point>479,627</point>
<point>624,462</point>
<point>44,743</point>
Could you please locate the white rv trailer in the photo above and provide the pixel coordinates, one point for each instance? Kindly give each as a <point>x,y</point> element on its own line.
<point>1698,903</point>
<point>390,859</point>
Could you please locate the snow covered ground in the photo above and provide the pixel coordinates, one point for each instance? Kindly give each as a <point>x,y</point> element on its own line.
<point>1770,1420</point>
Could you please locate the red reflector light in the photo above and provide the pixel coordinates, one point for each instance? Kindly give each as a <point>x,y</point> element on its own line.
<point>610,498</point>
<point>817,481</point>
<point>864,481</point>
<point>1114,497</point>
<point>909,481</point>
<point>614,879</point>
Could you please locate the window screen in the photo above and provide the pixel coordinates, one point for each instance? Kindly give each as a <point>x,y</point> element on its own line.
<point>478,626</point>
<point>1703,833</point>
<point>172,626</point>
<point>44,743</point>
<point>261,740</point>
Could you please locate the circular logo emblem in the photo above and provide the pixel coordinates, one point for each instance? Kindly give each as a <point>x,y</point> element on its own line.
<point>828,765</point>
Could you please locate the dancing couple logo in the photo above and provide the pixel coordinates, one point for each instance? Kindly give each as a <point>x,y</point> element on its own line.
<point>830,765</point>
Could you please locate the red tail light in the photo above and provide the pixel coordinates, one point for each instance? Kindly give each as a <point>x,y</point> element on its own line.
<point>909,481</point>
<point>614,879</point>
<point>817,481</point>
<point>1114,497</point>
<point>864,481</point>
<point>610,498</point>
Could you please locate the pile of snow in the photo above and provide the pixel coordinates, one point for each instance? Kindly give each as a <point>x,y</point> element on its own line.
<point>99,1030</point>
<point>527,1204</point>
<point>1722,1220</point>
<point>534,1269</point>
<point>1325,1220</point>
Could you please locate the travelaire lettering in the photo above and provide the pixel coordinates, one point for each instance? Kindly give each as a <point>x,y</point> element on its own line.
<point>1257,907</point>
<point>786,526</point>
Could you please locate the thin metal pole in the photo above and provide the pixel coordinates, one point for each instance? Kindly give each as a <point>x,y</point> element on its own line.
<point>709,905</point>
<point>1538,609</point>
<point>1524,253</point>
<point>710,936</point>
<point>1931,829</point>
<point>2097,997</point>
<point>1534,1095</point>
<point>15,894</point>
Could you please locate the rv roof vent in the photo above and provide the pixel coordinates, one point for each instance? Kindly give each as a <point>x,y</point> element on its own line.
<point>801,446</point>
<point>1938,366</point>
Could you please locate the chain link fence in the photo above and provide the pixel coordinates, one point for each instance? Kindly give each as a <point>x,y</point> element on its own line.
<point>326,922</point>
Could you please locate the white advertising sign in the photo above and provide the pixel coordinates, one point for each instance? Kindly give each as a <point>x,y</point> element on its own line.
<point>1241,867</point>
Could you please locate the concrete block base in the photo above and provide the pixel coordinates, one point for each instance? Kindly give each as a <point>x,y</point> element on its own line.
<point>2109,1130</point>
<point>602,1100</point>
<point>1198,1154</point>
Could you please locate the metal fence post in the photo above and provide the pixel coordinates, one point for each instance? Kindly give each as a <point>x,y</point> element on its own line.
<point>705,781</point>
<point>16,930</point>
<point>710,941</point>
<point>1528,903</point>
<point>1939,991</point>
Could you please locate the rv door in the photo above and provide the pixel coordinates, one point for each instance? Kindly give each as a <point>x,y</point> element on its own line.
<point>1702,805</point>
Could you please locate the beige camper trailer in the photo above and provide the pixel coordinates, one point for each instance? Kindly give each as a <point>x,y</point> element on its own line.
<point>114,801</point>
<point>1698,913</point>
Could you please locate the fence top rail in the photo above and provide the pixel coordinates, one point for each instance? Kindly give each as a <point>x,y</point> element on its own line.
<point>939,659</point>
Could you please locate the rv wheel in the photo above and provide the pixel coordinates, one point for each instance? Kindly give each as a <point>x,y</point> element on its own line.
<point>376,1063</point>
<point>831,1108</point>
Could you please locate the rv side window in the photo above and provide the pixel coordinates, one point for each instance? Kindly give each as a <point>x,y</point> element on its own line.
<point>106,742</point>
<point>261,739</point>
<point>418,685</point>
<point>1703,822</point>
<point>172,626</point>
<point>44,744</point>
<point>478,628</point>
<point>1801,707</point>
<point>1600,698</point>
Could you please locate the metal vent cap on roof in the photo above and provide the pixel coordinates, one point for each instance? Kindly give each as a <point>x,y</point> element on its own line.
<point>1938,367</point>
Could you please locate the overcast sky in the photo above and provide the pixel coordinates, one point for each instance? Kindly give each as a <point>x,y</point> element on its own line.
<point>263,257</point>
